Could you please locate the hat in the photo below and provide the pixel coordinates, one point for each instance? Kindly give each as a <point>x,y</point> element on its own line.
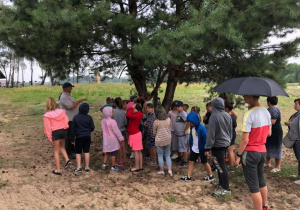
<point>178,103</point>
<point>67,84</point>
<point>129,105</point>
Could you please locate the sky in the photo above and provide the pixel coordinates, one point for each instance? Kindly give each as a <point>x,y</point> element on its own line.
<point>38,72</point>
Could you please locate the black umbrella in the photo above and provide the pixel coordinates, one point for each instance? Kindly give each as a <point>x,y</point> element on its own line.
<point>253,86</point>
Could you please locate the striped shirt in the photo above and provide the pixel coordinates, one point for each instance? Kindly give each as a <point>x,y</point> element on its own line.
<point>257,122</point>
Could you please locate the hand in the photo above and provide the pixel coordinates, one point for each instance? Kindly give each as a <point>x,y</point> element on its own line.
<point>73,143</point>
<point>81,100</point>
<point>145,124</point>
<point>185,133</point>
<point>207,154</point>
<point>238,161</point>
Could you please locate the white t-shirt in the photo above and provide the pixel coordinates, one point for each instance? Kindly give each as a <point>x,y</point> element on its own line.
<point>195,146</point>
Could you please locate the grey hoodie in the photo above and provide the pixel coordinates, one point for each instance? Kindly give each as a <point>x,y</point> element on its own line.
<point>219,129</point>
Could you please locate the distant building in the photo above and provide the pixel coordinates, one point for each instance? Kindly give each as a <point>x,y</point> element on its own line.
<point>2,80</point>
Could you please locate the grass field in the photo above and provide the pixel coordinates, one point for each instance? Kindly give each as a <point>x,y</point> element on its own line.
<point>26,158</point>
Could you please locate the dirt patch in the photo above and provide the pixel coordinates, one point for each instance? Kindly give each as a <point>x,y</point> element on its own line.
<point>26,182</point>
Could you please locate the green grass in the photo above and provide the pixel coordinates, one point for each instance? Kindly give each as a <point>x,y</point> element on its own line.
<point>170,199</point>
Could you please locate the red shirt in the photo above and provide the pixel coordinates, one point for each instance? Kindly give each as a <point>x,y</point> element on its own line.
<point>134,121</point>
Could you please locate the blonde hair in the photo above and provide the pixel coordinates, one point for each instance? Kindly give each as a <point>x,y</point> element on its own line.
<point>51,104</point>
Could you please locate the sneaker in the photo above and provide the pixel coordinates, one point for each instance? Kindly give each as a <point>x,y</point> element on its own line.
<point>208,178</point>
<point>114,169</point>
<point>174,156</point>
<point>222,192</point>
<point>87,170</point>
<point>132,155</point>
<point>265,208</point>
<point>179,159</point>
<point>186,179</point>
<point>103,166</point>
<point>118,163</point>
<point>67,164</point>
<point>213,168</point>
<point>183,164</point>
<point>170,173</point>
<point>77,170</point>
<point>161,172</point>
<point>216,184</point>
<point>297,182</point>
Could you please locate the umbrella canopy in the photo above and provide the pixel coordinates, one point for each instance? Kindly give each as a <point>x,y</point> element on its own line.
<point>253,86</point>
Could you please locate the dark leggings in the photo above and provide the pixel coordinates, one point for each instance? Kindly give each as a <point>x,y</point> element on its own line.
<point>68,145</point>
<point>220,155</point>
<point>296,148</point>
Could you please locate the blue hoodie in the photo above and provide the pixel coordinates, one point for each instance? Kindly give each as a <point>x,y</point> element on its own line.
<point>200,130</point>
<point>83,123</point>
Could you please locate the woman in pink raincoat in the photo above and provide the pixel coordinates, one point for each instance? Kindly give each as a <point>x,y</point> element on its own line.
<point>111,137</point>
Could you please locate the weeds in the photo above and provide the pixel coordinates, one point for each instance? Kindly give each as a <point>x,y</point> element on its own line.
<point>170,199</point>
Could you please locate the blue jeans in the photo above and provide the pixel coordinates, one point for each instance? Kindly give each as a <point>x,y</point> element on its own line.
<point>161,152</point>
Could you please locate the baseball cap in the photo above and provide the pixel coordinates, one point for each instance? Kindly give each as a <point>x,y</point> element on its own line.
<point>67,84</point>
<point>178,103</point>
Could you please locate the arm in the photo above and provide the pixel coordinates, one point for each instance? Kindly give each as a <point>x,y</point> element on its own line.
<point>210,141</point>
<point>155,128</point>
<point>47,130</point>
<point>243,144</point>
<point>116,130</point>
<point>76,103</point>
<point>187,126</point>
<point>234,114</point>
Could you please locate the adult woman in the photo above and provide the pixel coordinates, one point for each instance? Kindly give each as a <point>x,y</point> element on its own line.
<point>56,125</point>
<point>274,142</point>
<point>294,123</point>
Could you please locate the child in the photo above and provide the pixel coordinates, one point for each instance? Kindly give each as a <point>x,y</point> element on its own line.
<point>108,103</point>
<point>197,110</point>
<point>172,115</point>
<point>120,117</point>
<point>150,136</point>
<point>208,113</point>
<point>161,130</point>
<point>186,108</point>
<point>219,135</point>
<point>81,129</point>
<point>180,137</point>
<point>111,137</point>
<point>56,125</point>
<point>197,143</point>
<point>135,115</point>
<point>228,109</point>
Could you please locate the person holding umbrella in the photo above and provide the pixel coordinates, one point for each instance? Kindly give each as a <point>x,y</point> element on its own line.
<point>252,150</point>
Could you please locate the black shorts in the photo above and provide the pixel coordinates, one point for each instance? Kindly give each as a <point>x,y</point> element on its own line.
<point>82,143</point>
<point>59,134</point>
<point>194,156</point>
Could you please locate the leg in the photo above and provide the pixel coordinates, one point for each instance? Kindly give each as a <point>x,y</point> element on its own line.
<point>264,195</point>
<point>136,160</point>
<point>113,160</point>
<point>78,160</point>
<point>140,159</point>
<point>257,200</point>
<point>222,169</point>
<point>105,158</point>
<point>208,169</point>
<point>160,158</point>
<point>87,160</point>
<point>62,149</point>
<point>167,153</point>
<point>231,156</point>
<point>296,149</point>
<point>120,155</point>
<point>268,161</point>
<point>56,155</point>
<point>68,146</point>
<point>185,156</point>
<point>278,163</point>
<point>191,168</point>
<point>261,180</point>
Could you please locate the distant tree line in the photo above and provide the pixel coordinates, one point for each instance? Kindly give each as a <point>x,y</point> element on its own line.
<point>153,41</point>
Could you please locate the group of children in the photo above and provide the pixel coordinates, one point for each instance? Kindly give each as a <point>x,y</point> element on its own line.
<point>127,123</point>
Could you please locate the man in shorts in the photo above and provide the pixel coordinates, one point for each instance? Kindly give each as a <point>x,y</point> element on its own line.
<point>252,150</point>
<point>180,139</point>
<point>67,102</point>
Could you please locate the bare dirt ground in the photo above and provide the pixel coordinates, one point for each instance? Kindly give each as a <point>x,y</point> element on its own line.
<point>26,182</point>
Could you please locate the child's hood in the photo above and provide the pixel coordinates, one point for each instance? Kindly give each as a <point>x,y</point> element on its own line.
<point>107,112</point>
<point>193,118</point>
<point>57,113</point>
<point>84,108</point>
<point>217,105</point>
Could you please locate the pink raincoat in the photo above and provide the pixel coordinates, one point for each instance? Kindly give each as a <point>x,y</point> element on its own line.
<point>55,120</point>
<point>111,133</point>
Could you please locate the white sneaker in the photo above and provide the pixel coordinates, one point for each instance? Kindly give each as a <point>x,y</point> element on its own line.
<point>174,157</point>
<point>221,191</point>
<point>170,172</point>
<point>161,172</point>
<point>132,155</point>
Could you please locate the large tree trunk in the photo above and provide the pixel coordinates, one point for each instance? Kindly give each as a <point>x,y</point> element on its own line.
<point>170,89</point>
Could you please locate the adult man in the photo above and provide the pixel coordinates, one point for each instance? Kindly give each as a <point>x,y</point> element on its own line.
<point>219,134</point>
<point>67,102</point>
<point>252,150</point>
